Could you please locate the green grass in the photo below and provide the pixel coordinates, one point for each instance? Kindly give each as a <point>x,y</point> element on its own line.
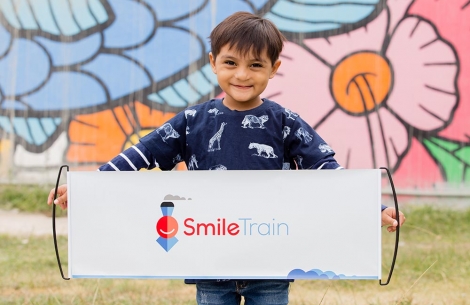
<point>25,198</point>
<point>433,267</point>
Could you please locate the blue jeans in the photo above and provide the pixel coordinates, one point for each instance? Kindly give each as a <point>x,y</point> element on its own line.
<point>255,292</point>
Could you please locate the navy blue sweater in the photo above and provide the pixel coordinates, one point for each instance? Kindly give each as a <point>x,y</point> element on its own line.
<point>210,136</point>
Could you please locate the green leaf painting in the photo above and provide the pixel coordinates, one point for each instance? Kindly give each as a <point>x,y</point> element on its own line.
<point>453,158</point>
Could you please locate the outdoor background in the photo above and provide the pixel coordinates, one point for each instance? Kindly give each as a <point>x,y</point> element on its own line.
<point>385,83</point>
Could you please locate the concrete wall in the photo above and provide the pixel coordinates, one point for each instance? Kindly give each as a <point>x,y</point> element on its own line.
<point>385,83</point>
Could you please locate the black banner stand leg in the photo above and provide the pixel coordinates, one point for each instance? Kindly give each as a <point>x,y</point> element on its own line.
<point>53,223</point>
<point>397,232</point>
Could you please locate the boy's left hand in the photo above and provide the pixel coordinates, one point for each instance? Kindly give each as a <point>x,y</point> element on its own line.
<point>389,218</point>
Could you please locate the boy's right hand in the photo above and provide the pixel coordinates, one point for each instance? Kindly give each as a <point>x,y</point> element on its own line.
<point>61,199</point>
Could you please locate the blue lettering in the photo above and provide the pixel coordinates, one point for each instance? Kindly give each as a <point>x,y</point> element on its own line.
<point>263,228</point>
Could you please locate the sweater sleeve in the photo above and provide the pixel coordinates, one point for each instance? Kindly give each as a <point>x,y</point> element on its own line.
<point>132,159</point>
<point>307,148</point>
<point>167,144</point>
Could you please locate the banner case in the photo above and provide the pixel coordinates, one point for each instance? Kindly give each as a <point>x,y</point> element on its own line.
<point>225,224</point>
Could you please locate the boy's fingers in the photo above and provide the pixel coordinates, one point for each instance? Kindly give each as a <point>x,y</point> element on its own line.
<point>387,219</point>
<point>392,222</point>
<point>402,218</point>
<point>61,201</point>
<point>61,196</point>
<point>50,198</point>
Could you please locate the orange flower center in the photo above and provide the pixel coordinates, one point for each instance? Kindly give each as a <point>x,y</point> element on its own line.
<point>361,82</point>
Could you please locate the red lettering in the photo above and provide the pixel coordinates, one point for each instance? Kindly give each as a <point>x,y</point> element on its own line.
<point>206,226</point>
<point>232,229</point>
<point>221,228</point>
<point>189,226</point>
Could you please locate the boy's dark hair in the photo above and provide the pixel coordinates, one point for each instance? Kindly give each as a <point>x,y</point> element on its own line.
<point>247,33</point>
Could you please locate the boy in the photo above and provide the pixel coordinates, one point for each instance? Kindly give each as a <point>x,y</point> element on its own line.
<point>242,131</point>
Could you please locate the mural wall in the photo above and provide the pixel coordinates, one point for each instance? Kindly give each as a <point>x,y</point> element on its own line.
<point>386,83</point>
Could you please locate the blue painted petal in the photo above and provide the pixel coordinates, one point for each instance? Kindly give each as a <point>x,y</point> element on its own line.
<point>206,21</point>
<point>170,51</point>
<point>259,3</point>
<point>335,2</point>
<point>56,17</point>
<point>120,75</point>
<point>300,27</point>
<point>8,11</point>
<point>170,96</point>
<point>64,17</point>
<point>5,124</point>
<point>50,125</point>
<point>83,14</point>
<point>25,16</point>
<point>21,129</point>
<point>13,105</point>
<point>209,74</point>
<point>35,131</point>
<point>341,13</point>
<point>186,91</point>
<point>70,53</point>
<point>44,16</point>
<point>23,55</point>
<point>133,25</point>
<point>67,90</point>
<point>200,82</point>
<point>5,40</point>
<point>319,15</point>
<point>167,10</point>
<point>39,129</point>
<point>155,98</point>
<point>98,11</point>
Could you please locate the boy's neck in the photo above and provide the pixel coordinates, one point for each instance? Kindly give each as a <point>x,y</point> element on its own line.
<point>242,106</point>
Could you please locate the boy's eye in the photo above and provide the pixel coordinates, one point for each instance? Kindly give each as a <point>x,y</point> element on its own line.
<point>257,65</point>
<point>230,63</point>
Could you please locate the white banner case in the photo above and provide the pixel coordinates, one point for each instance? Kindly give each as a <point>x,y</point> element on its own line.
<point>304,224</point>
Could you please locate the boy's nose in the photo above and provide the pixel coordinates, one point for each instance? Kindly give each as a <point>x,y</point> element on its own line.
<point>242,74</point>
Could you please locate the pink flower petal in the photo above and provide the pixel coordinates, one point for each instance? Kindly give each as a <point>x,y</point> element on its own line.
<point>452,19</point>
<point>398,9</point>
<point>417,169</point>
<point>367,38</point>
<point>301,84</point>
<point>351,138</point>
<point>424,93</point>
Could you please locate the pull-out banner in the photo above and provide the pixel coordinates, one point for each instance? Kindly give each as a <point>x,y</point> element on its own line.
<point>225,224</point>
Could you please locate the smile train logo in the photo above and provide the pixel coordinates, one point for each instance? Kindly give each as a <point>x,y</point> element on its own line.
<point>167,227</point>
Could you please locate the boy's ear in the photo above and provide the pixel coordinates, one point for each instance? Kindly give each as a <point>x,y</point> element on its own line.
<point>275,67</point>
<point>212,61</point>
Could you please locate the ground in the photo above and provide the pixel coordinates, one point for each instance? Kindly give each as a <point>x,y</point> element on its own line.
<point>29,224</point>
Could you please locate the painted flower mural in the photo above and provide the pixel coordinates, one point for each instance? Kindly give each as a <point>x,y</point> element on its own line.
<point>375,88</point>
<point>100,136</point>
<point>384,82</point>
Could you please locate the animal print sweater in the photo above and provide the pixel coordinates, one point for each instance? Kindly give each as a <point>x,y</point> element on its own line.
<point>210,136</point>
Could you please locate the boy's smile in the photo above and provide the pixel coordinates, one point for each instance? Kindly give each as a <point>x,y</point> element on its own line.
<point>242,78</point>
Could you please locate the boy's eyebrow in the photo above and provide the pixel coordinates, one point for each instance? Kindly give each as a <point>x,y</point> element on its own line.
<point>250,59</point>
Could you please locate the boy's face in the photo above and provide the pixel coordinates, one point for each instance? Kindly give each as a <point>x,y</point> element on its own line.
<point>242,78</point>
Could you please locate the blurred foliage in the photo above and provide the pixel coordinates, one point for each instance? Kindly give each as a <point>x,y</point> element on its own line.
<point>26,198</point>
